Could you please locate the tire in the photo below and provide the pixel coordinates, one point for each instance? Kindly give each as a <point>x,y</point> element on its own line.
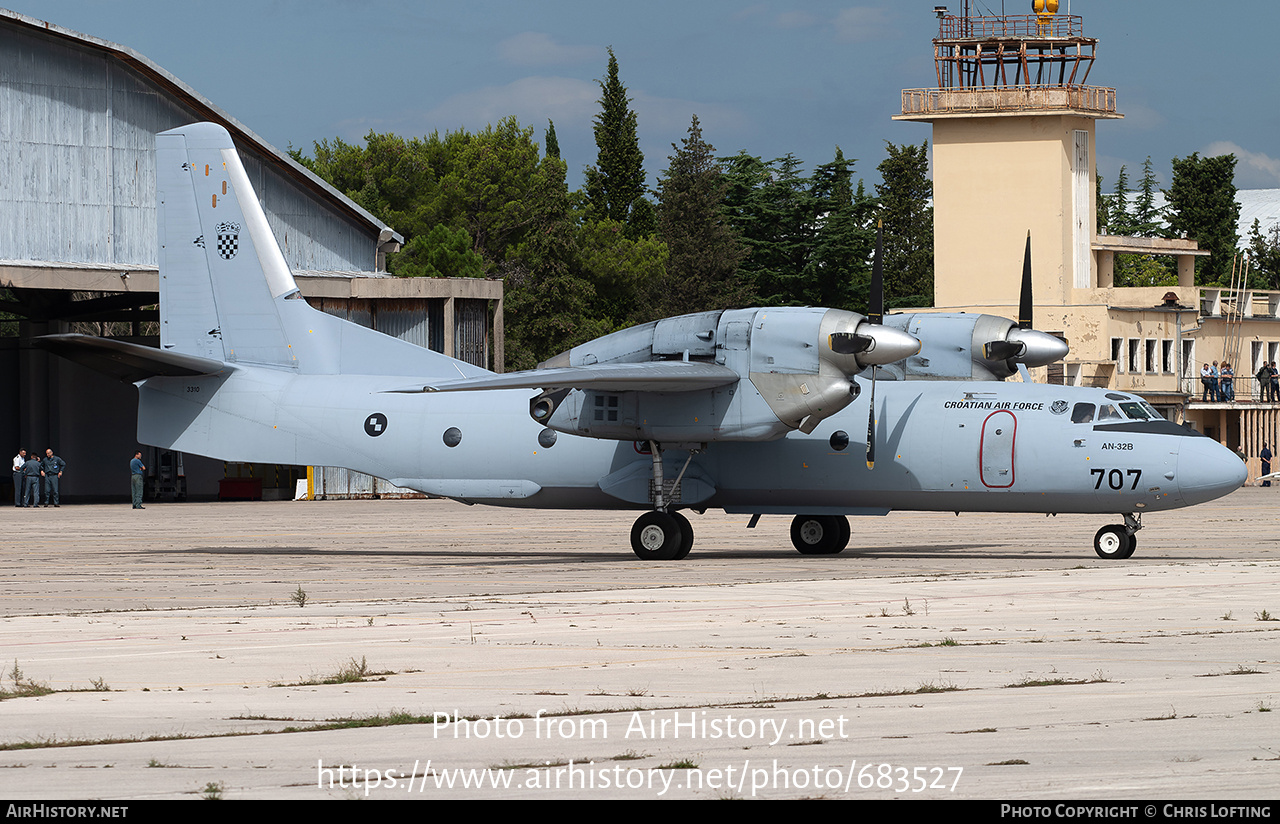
<point>656,536</point>
<point>686,536</point>
<point>818,534</point>
<point>1114,543</point>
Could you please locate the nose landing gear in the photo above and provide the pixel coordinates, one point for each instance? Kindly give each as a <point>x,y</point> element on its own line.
<point>1115,542</point>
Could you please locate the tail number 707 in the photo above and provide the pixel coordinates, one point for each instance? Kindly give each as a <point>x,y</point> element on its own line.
<point>1116,477</point>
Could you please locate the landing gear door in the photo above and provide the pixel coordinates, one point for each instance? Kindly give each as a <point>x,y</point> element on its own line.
<point>995,455</point>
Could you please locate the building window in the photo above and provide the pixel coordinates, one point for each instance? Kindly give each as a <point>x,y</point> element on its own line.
<point>1133,355</point>
<point>1117,347</point>
<point>1150,353</point>
<point>1166,357</point>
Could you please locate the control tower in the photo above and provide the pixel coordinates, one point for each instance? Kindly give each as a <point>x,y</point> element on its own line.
<point>1013,136</point>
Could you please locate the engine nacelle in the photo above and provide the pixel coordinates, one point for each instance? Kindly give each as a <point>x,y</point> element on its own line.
<point>972,347</point>
<point>795,368</point>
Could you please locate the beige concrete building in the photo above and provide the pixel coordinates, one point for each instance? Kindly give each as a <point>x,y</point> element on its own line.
<point>1014,151</point>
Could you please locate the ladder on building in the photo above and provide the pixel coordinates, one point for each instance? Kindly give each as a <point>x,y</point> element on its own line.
<point>1233,315</point>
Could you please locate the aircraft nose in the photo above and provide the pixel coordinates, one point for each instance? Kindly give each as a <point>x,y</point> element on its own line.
<point>1208,470</point>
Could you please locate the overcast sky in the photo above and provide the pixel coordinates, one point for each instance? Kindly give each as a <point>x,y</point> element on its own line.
<point>766,78</point>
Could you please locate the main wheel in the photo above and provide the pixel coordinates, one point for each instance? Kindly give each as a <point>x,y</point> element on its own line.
<point>819,534</point>
<point>656,536</point>
<point>1114,542</point>
<point>842,525</point>
<point>686,536</point>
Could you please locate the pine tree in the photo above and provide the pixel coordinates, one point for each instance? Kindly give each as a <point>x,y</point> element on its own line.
<point>552,144</point>
<point>908,225</point>
<point>1144,221</point>
<point>703,252</point>
<point>837,271</point>
<point>773,211</point>
<point>1203,207</point>
<point>616,182</point>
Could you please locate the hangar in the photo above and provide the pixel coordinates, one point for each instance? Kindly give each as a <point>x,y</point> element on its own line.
<point>78,253</point>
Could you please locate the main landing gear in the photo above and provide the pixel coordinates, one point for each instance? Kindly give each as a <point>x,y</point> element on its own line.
<point>660,535</point>
<point>1117,541</point>
<point>820,534</point>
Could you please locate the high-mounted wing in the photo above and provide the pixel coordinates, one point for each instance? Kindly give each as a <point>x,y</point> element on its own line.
<point>652,376</point>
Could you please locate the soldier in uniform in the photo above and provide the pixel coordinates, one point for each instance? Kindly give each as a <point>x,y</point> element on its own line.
<point>31,481</point>
<point>52,466</point>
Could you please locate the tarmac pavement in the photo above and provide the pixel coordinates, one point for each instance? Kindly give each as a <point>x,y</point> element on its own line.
<point>978,656</point>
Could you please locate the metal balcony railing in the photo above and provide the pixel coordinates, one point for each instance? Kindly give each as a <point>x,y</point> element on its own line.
<point>1009,27</point>
<point>1008,99</point>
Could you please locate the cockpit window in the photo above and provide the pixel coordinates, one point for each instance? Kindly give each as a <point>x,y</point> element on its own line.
<point>1152,412</point>
<point>1135,411</point>
<point>1082,413</point>
<point>1109,413</point>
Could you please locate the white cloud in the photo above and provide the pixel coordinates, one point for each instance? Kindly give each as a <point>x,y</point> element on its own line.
<point>1254,170</point>
<point>530,99</point>
<point>533,48</point>
<point>861,24</point>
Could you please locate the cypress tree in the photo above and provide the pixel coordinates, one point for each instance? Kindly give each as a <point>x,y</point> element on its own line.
<point>702,266</point>
<point>616,182</point>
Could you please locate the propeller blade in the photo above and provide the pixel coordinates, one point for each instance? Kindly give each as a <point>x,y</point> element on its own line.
<point>1025,303</point>
<point>875,301</point>
<point>871,422</point>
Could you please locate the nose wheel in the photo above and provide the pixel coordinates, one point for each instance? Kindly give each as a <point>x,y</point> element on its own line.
<point>1115,542</point>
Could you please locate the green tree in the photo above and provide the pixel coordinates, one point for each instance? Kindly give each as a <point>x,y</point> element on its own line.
<point>550,305</point>
<point>440,253</point>
<point>1202,206</point>
<point>703,252</point>
<point>550,141</point>
<point>773,211</point>
<point>837,271</point>
<point>1141,218</point>
<point>489,186</point>
<point>1264,255</point>
<point>904,198</point>
<point>616,182</point>
<point>1103,219</point>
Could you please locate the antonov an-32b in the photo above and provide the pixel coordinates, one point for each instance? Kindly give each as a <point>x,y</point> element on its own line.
<point>815,413</point>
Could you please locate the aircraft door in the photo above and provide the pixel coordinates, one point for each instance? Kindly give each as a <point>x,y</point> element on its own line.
<point>995,455</point>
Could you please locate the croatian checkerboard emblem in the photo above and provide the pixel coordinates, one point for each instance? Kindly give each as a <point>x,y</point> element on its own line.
<point>228,240</point>
<point>375,424</point>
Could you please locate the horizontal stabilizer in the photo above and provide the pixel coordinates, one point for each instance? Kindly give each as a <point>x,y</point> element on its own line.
<point>126,361</point>
<point>651,376</point>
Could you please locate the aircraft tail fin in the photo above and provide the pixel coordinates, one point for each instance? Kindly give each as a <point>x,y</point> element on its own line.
<point>221,270</point>
<point>226,292</point>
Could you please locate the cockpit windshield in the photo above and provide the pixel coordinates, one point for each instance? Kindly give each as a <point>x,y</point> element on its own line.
<point>1137,412</point>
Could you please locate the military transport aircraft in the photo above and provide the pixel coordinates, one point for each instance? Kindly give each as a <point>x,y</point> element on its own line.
<point>752,411</point>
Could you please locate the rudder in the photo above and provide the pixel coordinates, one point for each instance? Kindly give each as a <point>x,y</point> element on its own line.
<point>221,270</point>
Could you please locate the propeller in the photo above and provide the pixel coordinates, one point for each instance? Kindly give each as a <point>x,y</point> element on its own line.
<point>875,314</point>
<point>871,343</point>
<point>1021,343</point>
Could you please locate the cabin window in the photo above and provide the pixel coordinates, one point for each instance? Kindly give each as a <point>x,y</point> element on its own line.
<point>606,408</point>
<point>1109,413</point>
